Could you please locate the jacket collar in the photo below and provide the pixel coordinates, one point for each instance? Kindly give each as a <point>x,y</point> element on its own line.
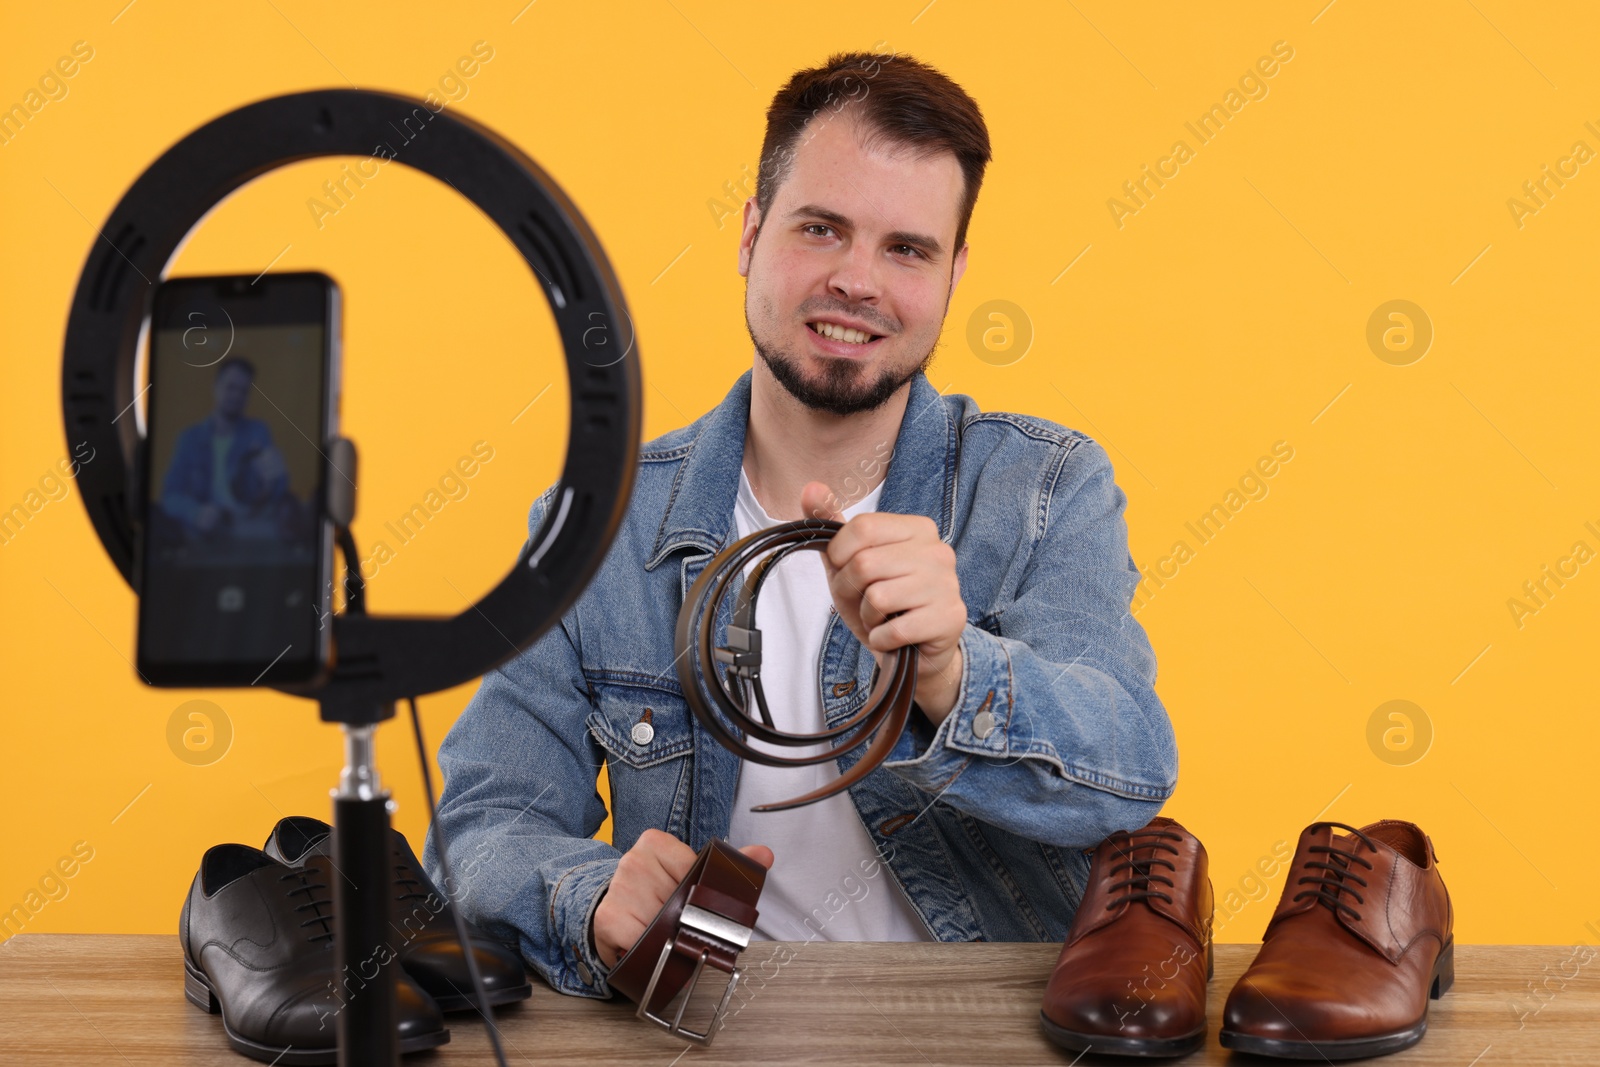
<point>921,479</point>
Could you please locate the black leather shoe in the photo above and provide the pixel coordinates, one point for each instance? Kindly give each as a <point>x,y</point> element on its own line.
<point>257,939</point>
<point>424,926</point>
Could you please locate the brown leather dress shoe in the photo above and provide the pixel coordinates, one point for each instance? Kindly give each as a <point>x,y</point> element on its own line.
<point>1360,941</point>
<point>1131,978</point>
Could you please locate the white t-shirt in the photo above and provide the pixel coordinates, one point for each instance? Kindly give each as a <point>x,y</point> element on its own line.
<point>828,881</point>
<point>221,491</point>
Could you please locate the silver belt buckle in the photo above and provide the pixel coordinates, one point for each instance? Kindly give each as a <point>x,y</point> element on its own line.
<point>712,925</point>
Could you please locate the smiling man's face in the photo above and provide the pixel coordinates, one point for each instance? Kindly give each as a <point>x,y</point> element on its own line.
<point>858,239</point>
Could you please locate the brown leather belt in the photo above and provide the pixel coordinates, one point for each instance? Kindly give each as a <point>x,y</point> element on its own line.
<point>705,923</point>
<point>882,719</point>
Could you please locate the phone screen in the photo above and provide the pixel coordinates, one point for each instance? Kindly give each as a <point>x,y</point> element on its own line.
<point>237,551</point>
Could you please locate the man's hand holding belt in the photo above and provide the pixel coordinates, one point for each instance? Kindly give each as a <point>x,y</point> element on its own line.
<point>881,563</point>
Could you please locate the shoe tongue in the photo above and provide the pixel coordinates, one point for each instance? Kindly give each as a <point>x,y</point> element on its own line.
<point>1141,850</point>
<point>1339,876</point>
<point>1140,853</point>
<point>1379,838</point>
<point>321,846</point>
<point>1405,838</point>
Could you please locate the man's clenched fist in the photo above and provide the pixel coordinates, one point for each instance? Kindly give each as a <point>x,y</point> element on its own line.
<point>881,564</point>
<point>646,876</point>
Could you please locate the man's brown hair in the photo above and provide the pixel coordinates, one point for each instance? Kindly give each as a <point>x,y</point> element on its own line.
<point>901,102</point>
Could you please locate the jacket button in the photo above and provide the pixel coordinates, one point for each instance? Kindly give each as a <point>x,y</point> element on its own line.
<point>584,974</point>
<point>983,725</point>
<point>643,733</point>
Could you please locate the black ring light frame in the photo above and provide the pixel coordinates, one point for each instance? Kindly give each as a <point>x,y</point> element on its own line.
<point>379,659</point>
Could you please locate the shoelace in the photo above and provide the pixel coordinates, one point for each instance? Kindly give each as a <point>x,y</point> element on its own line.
<point>1139,858</point>
<point>406,886</point>
<point>312,901</point>
<point>1338,874</point>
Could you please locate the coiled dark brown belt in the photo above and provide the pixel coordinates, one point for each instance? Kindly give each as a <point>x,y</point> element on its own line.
<point>706,922</point>
<point>882,718</point>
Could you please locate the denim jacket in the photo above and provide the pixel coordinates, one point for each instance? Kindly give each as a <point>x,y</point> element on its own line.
<point>187,484</point>
<point>1056,740</point>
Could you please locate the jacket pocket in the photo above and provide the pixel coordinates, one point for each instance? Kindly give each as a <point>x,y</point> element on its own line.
<point>647,737</point>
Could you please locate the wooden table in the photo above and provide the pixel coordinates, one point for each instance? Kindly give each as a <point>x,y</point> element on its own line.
<point>112,1000</point>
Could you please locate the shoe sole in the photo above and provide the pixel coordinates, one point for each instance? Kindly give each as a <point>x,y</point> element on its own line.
<point>1122,1046</point>
<point>467,1002</point>
<point>197,991</point>
<point>1130,1046</point>
<point>1444,976</point>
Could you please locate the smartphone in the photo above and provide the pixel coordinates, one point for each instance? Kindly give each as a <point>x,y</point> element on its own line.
<point>234,559</point>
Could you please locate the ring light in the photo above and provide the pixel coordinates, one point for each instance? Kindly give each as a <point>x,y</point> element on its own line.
<point>380,659</point>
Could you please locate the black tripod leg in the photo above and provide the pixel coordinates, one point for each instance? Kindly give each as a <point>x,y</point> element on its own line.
<point>365,960</point>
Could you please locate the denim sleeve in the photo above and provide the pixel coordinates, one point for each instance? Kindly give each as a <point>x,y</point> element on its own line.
<point>1057,733</point>
<point>520,810</point>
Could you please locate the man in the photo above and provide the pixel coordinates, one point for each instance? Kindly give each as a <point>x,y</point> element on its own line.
<point>996,539</point>
<point>226,477</point>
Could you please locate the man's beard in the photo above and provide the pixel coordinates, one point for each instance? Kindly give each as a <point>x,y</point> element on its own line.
<point>841,390</point>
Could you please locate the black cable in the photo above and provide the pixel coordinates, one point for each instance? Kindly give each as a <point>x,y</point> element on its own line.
<point>356,604</point>
<point>355,587</point>
<point>455,912</point>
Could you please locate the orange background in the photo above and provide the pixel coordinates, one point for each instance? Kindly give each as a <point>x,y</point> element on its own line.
<point>1226,314</point>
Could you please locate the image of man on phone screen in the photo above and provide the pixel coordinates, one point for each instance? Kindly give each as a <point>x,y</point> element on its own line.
<point>227,479</point>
